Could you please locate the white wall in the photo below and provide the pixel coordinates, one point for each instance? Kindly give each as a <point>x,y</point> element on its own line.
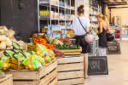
<point>85,3</point>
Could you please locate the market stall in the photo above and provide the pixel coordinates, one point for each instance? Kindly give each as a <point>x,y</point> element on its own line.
<point>70,62</point>
<point>38,64</point>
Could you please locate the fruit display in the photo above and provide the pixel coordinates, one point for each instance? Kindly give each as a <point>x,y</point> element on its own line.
<point>43,41</point>
<point>18,59</point>
<point>58,53</point>
<point>14,57</point>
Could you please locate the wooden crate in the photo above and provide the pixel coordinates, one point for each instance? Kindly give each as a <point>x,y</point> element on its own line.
<point>47,75</point>
<point>7,80</point>
<point>71,51</point>
<point>70,70</point>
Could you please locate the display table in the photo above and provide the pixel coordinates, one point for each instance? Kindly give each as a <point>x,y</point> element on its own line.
<point>70,70</point>
<point>8,80</point>
<point>47,75</point>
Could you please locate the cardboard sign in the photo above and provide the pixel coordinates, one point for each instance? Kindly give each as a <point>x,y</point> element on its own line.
<point>98,65</point>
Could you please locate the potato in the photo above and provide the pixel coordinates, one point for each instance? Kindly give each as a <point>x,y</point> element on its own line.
<point>8,42</point>
<point>3,45</point>
<point>3,38</point>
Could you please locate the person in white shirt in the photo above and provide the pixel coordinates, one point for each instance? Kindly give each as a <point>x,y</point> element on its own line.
<point>80,26</point>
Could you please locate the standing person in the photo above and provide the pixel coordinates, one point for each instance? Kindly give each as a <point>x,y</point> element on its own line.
<point>102,31</point>
<point>80,33</point>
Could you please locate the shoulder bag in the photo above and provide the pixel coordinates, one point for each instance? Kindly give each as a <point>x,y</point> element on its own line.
<point>110,37</point>
<point>89,38</point>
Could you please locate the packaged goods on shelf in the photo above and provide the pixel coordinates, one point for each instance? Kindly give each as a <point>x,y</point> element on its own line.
<point>72,7</point>
<point>54,2</point>
<point>64,31</point>
<point>55,27</point>
<point>44,13</point>
<point>54,15</point>
<point>61,3</point>
<point>61,16</point>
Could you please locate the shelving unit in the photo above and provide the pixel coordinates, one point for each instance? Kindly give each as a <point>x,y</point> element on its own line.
<point>95,9</point>
<point>55,12</point>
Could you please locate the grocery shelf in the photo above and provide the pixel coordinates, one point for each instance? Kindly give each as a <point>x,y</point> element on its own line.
<point>48,18</point>
<point>95,9</point>
<point>44,17</point>
<point>43,2</point>
<point>57,10</point>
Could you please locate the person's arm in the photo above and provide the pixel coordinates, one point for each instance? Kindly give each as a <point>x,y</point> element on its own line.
<point>108,30</point>
<point>100,28</point>
<point>88,25</point>
<point>87,29</point>
<point>73,25</point>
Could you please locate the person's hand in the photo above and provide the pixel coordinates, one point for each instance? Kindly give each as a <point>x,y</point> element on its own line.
<point>97,33</point>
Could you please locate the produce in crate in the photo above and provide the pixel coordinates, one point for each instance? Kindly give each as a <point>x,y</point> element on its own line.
<point>5,42</point>
<point>58,53</point>
<point>33,62</point>
<point>7,37</point>
<point>15,56</point>
<point>65,46</point>
<point>3,29</point>
<point>66,41</point>
<point>20,59</point>
<point>46,53</point>
<point>43,41</point>
<point>57,42</point>
<point>4,62</point>
<point>10,34</point>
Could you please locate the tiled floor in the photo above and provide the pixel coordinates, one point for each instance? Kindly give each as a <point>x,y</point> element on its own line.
<point>118,69</point>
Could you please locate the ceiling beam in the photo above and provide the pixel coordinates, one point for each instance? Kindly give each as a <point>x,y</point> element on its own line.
<point>119,6</point>
<point>117,2</point>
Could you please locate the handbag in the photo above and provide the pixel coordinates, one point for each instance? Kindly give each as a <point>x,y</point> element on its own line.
<point>89,38</point>
<point>110,37</point>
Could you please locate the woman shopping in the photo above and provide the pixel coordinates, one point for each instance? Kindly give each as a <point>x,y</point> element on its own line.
<point>80,27</point>
<point>102,33</point>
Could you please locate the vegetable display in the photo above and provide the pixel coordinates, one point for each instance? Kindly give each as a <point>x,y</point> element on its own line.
<point>42,41</point>
<point>14,57</point>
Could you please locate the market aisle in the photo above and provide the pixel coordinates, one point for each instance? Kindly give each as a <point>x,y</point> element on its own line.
<point>118,69</point>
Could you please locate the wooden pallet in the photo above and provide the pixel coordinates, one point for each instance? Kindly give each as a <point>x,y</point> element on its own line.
<point>72,51</point>
<point>47,75</point>
<point>7,80</point>
<point>70,70</point>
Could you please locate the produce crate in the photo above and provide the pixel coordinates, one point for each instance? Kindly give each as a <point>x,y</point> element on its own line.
<point>70,70</point>
<point>7,80</point>
<point>71,51</point>
<point>47,75</point>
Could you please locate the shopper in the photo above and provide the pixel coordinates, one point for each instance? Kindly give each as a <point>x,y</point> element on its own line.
<point>80,34</point>
<point>102,31</point>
